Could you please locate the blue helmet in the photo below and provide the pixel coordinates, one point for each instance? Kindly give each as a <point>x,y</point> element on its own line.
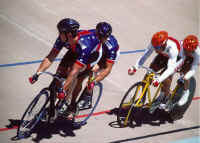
<point>104,29</point>
<point>67,25</point>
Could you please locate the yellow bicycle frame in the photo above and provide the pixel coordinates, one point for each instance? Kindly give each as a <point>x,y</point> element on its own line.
<point>147,82</point>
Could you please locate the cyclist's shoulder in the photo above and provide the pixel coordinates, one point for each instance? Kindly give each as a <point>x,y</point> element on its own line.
<point>112,39</point>
<point>197,52</point>
<point>59,44</point>
<point>88,38</point>
<point>173,46</point>
<point>111,43</point>
<point>86,33</point>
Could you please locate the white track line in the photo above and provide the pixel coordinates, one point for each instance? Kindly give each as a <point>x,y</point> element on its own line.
<point>25,29</point>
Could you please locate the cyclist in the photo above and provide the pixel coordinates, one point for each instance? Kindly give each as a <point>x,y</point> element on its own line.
<point>84,49</point>
<point>167,49</point>
<point>110,54</point>
<point>190,59</point>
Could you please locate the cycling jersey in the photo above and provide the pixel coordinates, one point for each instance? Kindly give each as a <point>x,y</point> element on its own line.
<point>88,47</point>
<point>88,38</point>
<point>195,63</point>
<point>111,49</point>
<point>171,51</point>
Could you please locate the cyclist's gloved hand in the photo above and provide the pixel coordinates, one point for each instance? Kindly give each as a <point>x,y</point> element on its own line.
<point>61,94</point>
<point>91,85</point>
<point>34,78</point>
<point>132,70</point>
<point>156,82</point>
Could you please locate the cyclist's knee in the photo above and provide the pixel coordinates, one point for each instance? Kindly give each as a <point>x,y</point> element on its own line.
<point>166,85</point>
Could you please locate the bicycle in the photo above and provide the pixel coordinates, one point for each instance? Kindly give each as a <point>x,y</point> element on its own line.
<point>135,98</point>
<point>38,108</point>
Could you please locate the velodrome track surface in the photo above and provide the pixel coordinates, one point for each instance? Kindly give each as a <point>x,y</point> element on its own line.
<point>28,31</point>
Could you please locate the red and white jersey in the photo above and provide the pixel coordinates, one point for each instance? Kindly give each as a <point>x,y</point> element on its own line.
<point>171,51</point>
<point>196,62</point>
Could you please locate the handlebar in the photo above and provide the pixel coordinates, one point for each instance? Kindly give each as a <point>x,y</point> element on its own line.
<point>60,79</point>
<point>149,70</point>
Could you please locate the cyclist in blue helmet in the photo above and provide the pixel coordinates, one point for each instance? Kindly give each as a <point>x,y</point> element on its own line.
<point>84,49</point>
<point>68,25</point>
<point>109,57</point>
<point>110,50</point>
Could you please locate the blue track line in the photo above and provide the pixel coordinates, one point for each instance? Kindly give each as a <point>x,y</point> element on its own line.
<point>189,140</point>
<point>58,59</point>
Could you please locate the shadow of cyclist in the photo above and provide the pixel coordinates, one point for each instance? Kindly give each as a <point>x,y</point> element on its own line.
<point>142,116</point>
<point>45,130</point>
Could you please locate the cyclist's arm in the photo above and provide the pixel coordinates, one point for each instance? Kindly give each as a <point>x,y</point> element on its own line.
<point>105,72</point>
<point>112,57</point>
<point>147,53</point>
<point>72,75</point>
<point>48,60</point>
<point>194,66</point>
<point>171,65</point>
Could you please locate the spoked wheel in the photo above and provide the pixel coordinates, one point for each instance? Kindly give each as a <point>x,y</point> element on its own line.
<point>127,105</point>
<point>87,103</point>
<point>33,114</point>
<point>178,111</point>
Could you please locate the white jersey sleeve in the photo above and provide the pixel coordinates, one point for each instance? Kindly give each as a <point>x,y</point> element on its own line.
<point>195,64</point>
<point>172,52</point>
<point>180,62</point>
<point>147,53</point>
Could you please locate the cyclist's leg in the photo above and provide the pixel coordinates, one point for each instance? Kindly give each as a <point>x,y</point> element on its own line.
<point>166,86</point>
<point>184,69</point>
<point>62,70</point>
<point>160,62</point>
<point>81,77</point>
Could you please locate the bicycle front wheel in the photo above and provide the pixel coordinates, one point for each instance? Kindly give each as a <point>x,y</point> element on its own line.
<point>33,114</point>
<point>131,99</point>
<point>83,114</point>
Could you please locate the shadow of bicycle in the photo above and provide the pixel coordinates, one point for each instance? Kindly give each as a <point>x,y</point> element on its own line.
<point>142,116</point>
<point>43,130</point>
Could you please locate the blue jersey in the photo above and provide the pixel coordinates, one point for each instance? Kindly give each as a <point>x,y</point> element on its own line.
<point>111,49</point>
<point>88,47</point>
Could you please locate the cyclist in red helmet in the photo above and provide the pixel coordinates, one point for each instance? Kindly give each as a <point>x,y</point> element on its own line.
<point>167,49</point>
<point>190,59</point>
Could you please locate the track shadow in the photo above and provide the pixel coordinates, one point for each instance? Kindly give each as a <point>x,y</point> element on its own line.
<point>142,116</point>
<point>45,130</point>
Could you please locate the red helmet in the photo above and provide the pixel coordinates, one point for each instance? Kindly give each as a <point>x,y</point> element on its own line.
<point>190,43</point>
<point>159,38</point>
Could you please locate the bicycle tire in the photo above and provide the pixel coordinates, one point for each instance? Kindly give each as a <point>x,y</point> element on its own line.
<point>123,111</point>
<point>82,116</point>
<point>36,118</point>
<point>178,111</point>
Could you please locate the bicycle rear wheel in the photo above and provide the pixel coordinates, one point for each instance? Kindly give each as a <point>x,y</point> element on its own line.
<point>33,114</point>
<point>178,111</point>
<point>82,115</point>
<point>128,102</point>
